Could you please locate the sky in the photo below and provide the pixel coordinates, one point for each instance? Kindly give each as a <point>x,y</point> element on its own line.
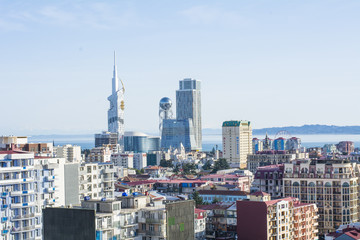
<point>275,63</point>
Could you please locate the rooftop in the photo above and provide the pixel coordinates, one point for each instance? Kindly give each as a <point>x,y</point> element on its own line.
<point>223,192</point>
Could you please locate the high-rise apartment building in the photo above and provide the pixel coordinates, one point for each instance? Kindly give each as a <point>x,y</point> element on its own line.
<point>331,184</point>
<point>116,110</point>
<point>188,106</point>
<point>106,138</point>
<point>237,142</point>
<point>97,180</point>
<point>18,204</point>
<point>285,218</point>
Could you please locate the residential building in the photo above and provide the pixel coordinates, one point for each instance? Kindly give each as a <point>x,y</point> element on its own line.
<point>106,138</point>
<point>200,224</point>
<point>217,221</point>
<point>279,144</point>
<point>9,142</point>
<point>100,154</point>
<point>226,196</point>
<point>270,179</point>
<point>293,143</point>
<point>266,219</point>
<point>268,157</point>
<point>140,160</point>
<point>172,221</point>
<point>178,186</point>
<point>345,147</point>
<point>237,142</point>
<point>257,145</point>
<point>242,183</point>
<point>97,180</point>
<point>71,153</point>
<point>138,142</point>
<point>348,232</point>
<point>125,160</point>
<point>18,204</point>
<point>331,184</point>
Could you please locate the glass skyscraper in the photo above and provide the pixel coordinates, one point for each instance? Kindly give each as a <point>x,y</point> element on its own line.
<point>188,107</point>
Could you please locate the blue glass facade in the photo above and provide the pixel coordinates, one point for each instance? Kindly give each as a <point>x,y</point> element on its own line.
<point>141,143</point>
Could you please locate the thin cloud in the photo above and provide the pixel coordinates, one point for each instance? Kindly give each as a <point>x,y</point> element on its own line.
<point>210,15</point>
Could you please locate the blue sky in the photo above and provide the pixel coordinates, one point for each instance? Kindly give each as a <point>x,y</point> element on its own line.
<point>276,63</point>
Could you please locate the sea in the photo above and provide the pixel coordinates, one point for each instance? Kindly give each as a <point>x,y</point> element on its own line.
<point>210,141</point>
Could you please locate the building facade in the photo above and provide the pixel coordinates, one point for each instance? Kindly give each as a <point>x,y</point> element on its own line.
<point>140,142</point>
<point>188,106</point>
<point>331,184</point>
<point>269,179</point>
<point>237,142</point>
<point>116,110</point>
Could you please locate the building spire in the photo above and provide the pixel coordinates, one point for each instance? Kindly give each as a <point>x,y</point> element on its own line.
<point>115,80</point>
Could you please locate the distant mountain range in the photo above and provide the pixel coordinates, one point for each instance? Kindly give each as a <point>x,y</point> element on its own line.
<point>293,130</point>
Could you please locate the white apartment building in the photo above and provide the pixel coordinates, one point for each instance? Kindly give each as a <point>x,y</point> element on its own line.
<point>97,180</point>
<point>237,142</point>
<point>71,153</point>
<point>125,160</point>
<point>140,160</point>
<point>18,204</point>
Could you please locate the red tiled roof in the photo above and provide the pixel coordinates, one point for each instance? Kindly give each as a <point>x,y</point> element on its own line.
<point>136,183</point>
<point>272,202</point>
<point>215,206</point>
<point>13,152</point>
<point>223,192</point>
<point>259,193</point>
<point>180,181</point>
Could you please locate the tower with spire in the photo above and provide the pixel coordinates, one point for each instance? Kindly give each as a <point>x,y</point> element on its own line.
<point>116,110</point>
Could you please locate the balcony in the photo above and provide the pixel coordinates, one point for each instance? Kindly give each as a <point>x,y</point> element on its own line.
<point>23,229</point>
<point>109,170</point>
<point>49,190</point>
<point>155,221</point>
<point>49,178</point>
<point>50,201</point>
<point>108,179</point>
<point>153,233</point>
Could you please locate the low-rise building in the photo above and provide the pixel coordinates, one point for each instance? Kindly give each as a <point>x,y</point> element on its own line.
<point>200,224</point>
<point>178,186</point>
<point>242,182</point>
<point>226,196</point>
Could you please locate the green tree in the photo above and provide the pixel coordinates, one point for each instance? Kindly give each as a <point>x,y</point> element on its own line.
<point>176,169</point>
<point>207,165</point>
<point>220,165</point>
<point>197,198</point>
<point>216,200</point>
<point>189,168</point>
<point>166,163</point>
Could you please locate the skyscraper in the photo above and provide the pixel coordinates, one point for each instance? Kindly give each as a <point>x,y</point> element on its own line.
<point>237,142</point>
<point>116,110</point>
<point>188,106</point>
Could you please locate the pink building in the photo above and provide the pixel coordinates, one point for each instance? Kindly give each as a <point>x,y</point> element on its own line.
<point>242,182</point>
<point>346,147</point>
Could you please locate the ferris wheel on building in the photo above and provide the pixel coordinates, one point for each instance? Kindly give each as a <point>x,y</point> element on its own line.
<point>283,134</point>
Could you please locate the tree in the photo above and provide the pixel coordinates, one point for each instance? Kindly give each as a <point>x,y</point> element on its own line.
<point>176,169</point>
<point>216,200</point>
<point>207,165</point>
<point>197,198</point>
<point>220,165</point>
<point>189,168</point>
<point>165,163</point>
